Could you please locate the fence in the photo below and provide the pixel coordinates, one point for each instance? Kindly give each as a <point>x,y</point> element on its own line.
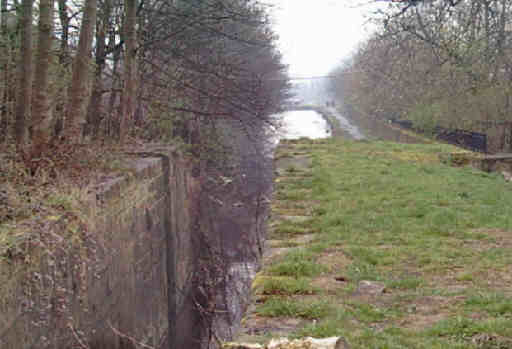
<point>474,141</point>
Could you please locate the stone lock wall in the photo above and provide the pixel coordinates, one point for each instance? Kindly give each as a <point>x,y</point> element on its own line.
<point>129,276</point>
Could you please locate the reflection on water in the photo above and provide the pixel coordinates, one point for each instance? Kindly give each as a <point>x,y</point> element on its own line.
<point>303,123</point>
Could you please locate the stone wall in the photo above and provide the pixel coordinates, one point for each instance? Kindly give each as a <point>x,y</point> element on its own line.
<point>118,279</point>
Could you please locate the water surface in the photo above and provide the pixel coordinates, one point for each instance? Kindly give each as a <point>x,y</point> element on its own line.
<point>303,123</point>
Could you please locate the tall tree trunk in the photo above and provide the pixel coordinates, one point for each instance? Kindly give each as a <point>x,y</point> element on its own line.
<point>41,114</point>
<point>64,39</point>
<point>94,109</point>
<point>115,86</point>
<point>500,49</point>
<point>3,15</point>
<point>78,92</point>
<point>24,74</point>
<point>4,62</point>
<point>128,97</point>
<point>487,26</point>
<point>65,61</point>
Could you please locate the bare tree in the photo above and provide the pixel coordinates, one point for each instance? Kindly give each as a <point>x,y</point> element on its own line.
<point>64,39</point>
<point>24,74</point>
<point>437,63</point>
<point>130,39</point>
<point>94,111</point>
<point>4,62</point>
<point>3,15</point>
<point>41,112</point>
<point>78,94</point>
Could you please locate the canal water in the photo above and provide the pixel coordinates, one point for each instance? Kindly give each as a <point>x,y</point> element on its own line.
<point>303,123</point>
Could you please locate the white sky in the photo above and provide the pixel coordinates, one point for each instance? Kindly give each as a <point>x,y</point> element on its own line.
<point>315,35</point>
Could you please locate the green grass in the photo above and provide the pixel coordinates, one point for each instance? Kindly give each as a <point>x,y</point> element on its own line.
<point>298,263</point>
<point>438,238</point>
<point>460,329</point>
<point>326,327</point>
<point>288,286</point>
<point>287,229</point>
<point>405,283</point>
<point>288,307</point>
<point>293,195</point>
<point>494,304</point>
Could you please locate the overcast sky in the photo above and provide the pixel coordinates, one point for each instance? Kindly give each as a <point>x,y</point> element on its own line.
<point>315,35</point>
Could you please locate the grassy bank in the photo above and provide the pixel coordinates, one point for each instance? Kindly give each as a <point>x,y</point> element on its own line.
<point>382,244</point>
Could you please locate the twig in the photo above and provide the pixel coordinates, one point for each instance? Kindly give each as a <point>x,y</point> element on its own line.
<point>131,339</point>
<point>77,337</point>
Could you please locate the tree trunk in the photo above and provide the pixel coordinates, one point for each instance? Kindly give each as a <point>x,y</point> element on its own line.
<point>3,15</point>
<point>4,61</point>
<point>24,74</point>
<point>501,40</point>
<point>94,111</point>
<point>64,39</point>
<point>41,114</point>
<point>113,93</point>
<point>64,61</point>
<point>75,113</point>
<point>128,97</point>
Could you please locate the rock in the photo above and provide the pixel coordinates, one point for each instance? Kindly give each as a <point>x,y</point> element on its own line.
<point>507,175</point>
<point>371,287</point>
<point>308,343</point>
<point>491,341</point>
<point>341,343</point>
<point>304,343</point>
<point>242,346</point>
